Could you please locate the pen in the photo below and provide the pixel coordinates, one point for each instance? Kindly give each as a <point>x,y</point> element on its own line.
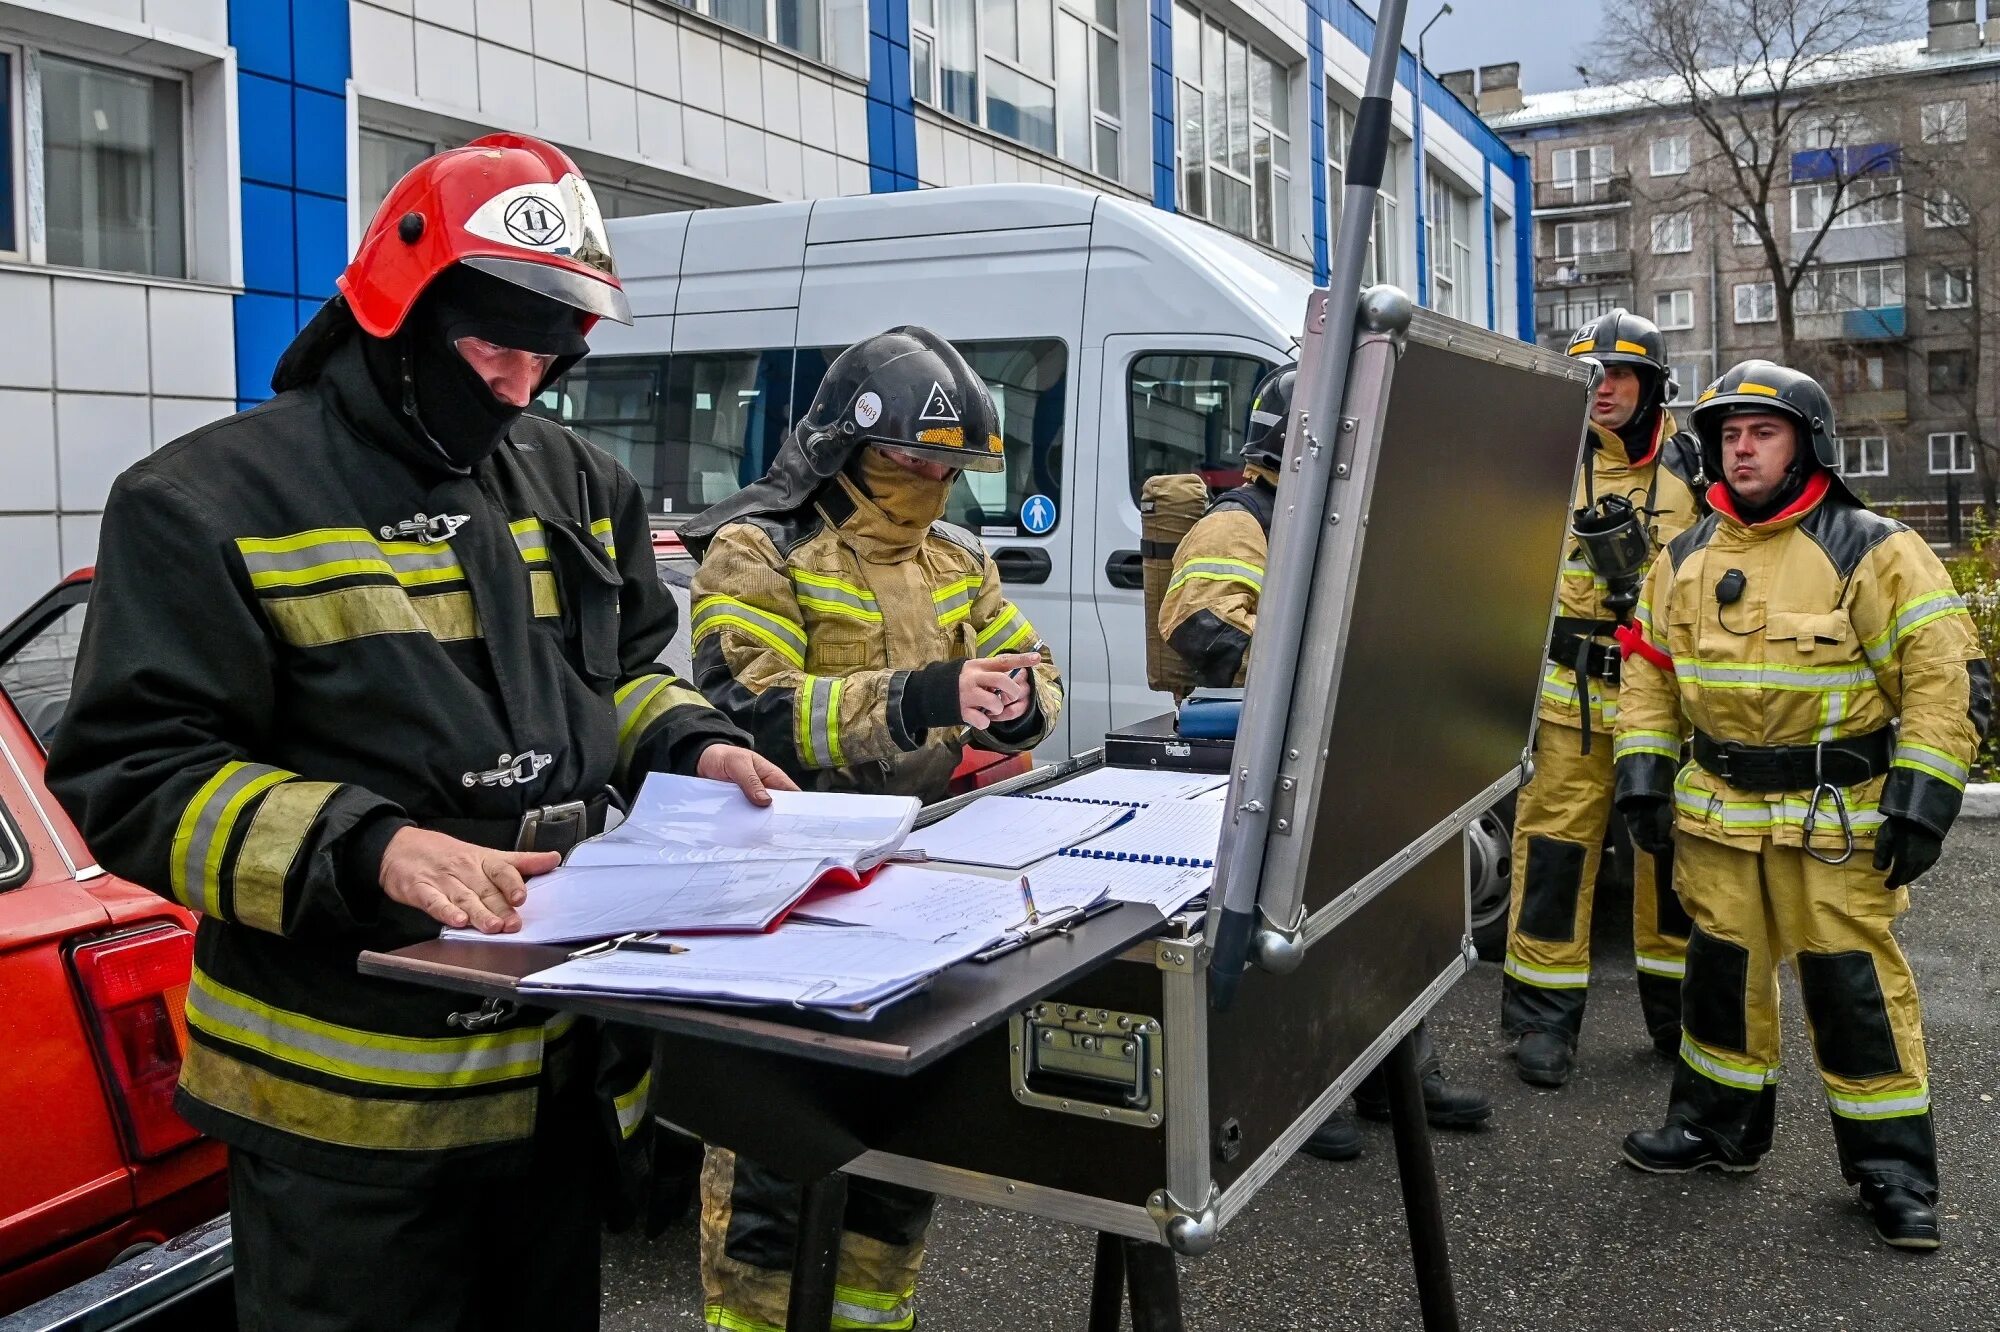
<point>1028,900</point>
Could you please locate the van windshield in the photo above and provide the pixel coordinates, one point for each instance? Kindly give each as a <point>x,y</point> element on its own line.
<point>694,427</point>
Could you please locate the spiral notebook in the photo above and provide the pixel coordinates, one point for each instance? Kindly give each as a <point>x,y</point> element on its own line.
<point>1133,786</point>
<point>1180,832</point>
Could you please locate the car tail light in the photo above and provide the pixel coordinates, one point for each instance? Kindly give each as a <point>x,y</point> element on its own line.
<point>135,986</point>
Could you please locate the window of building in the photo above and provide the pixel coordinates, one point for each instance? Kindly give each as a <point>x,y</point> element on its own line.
<point>1380,265</point>
<point>1235,146</point>
<point>1944,208</point>
<point>1756,303</point>
<point>1837,129</point>
<point>1674,309</point>
<point>1671,156</point>
<point>1582,173</point>
<point>1862,455</point>
<point>1949,287</point>
<point>1749,147</point>
<point>1041,73</point>
<point>1572,310</point>
<point>1866,202</point>
<point>1673,233</point>
<point>112,151</point>
<point>1951,453</point>
<point>1690,378</point>
<point>1943,122</point>
<point>1087,97</point>
<point>1743,231</point>
<point>1950,370</point>
<point>1597,236</point>
<point>832,31</point>
<point>1188,412</point>
<point>1855,287</point>
<point>1448,242</point>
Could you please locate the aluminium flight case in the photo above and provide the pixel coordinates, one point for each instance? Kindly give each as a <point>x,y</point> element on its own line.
<point>1124,1100</point>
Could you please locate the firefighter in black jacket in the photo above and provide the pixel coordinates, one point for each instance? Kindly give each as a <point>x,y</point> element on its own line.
<point>360,661</point>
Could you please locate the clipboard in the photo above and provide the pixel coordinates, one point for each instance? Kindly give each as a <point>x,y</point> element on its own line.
<point>1060,921</point>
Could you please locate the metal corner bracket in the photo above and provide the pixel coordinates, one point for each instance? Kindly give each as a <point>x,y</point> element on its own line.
<point>1186,1231</point>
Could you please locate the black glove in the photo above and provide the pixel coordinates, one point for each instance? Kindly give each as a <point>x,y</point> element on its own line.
<point>1906,849</point>
<point>1650,820</point>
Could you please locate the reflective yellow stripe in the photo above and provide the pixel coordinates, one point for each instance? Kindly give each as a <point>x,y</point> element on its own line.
<point>601,529</point>
<point>953,601</point>
<point>816,709</point>
<point>631,1107</point>
<point>278,832</point>
<point>642,701</point>
<point>1007,632</point>
<point>1547,978</point>
<point>530,540</point>
<point>1728,1072</point>
<point>1653,964</point>
<point>834,597</point>
<point>1664,743</point>
<point>206,825</point>
<point>1925,758</point>
<point>1879,1105</point>
<point>716,613</point>
<point>358,1055</point>
<point>1770,675</point>
<point>375,1123</point>
<point>1221,571</point>
<point>719,1319</point>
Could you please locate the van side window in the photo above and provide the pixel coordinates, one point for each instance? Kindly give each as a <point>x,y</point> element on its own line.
<point>693,428</point>
<point>1188,412</point>
<point>1030,386</point>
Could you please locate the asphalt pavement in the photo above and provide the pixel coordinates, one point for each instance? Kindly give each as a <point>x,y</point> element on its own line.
<point>1549,1232</point>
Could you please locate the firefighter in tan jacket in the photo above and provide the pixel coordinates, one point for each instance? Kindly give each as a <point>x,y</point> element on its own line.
<point>861,641</point>
<point>1638,469</point>
<point>1836,694</point>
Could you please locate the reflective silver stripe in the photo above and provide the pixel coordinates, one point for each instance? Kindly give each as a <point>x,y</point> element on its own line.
<point>711,614</point>
<point>1547,979</point>
<point>1769,675</point>
<point>830,594</point>
<point>1924,758</point>
<point>1663,743</point>
<point>289,562</point>
<point>366,1056</point>
<point>1882,1105</point>
<point>530,540</point>
<point>1004,631</point>
<point>847,1314</point>
<point>820,740</point>
<point>956,604</point>
<point>1922,610</point>
<point>631,1107</point>
<point>1833,708</point>
<point>1654,965</point>
<point>1748,1077</point>
<point>202,838</point>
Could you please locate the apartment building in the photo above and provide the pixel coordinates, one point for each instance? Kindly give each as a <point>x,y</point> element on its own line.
<point>181,180</point>
<point>1888,314</point>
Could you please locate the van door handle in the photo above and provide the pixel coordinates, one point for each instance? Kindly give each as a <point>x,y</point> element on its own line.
<point>1023,564</point>
<point>1125,568</point>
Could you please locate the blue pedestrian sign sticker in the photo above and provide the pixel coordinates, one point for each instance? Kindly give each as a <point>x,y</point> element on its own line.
<point>1038,514</point>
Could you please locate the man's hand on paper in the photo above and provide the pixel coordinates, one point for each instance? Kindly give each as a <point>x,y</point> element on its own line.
<point>755,774</point>
<point>989,691</point>
<point>458,883</point>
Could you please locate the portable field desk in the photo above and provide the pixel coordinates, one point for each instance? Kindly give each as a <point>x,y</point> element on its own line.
<point>1101,1076</point>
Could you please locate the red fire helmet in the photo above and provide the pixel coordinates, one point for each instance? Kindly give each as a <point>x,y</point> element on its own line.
<point>506,204</point>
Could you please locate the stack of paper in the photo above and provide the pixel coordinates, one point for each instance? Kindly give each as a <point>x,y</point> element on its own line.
<point>1183,832</point>
<point>1008,832</point>
<point>1134,786</point>
<point>696,855</point>
<point>852,955</point>
<point>1167,888</point>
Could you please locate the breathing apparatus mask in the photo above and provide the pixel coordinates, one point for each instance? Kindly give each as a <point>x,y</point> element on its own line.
<point>1618,546</point>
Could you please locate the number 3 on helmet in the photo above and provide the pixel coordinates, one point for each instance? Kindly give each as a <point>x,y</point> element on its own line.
<point>508,205</point>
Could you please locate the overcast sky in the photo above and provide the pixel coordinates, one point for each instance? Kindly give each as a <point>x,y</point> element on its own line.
<point>1549,37</point>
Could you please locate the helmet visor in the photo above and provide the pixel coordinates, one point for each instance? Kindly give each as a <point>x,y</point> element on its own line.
<point>560,221</point>
<point>950,444</point>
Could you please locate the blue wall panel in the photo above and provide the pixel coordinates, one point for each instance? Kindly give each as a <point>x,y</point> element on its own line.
<point>892,115</point>
<point>292,128</point>
<point>1166,130</point>
<point>1316,115</point>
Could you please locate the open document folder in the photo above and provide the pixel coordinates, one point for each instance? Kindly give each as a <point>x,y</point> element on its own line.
<point>1007,832</point>
<point>852,954</point>
<point>696,856</point>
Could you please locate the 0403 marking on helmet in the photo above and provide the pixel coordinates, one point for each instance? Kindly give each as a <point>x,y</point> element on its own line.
<point>867,409</point>
<point>937,407</point>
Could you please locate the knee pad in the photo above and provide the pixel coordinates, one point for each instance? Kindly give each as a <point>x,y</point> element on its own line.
<point>1851,1029</point>
<point>1715,995</point>
<point>1550,882</point>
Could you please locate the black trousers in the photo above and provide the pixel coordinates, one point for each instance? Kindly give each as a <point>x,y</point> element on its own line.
<point>315,1254</point>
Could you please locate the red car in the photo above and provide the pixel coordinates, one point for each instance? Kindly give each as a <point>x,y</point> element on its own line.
<point>94,1163</point>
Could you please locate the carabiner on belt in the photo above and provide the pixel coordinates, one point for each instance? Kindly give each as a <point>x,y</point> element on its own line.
<point>1821,788</point>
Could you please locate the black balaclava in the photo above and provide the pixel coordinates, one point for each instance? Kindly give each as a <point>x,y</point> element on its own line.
<point>442,401</point>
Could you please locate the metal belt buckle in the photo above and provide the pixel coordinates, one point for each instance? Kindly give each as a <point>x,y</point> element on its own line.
<point>554,827</point>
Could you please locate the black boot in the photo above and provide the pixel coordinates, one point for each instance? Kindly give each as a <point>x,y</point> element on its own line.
<point>1675,1150</point>
<point>1337,1139</point>
<point>1446,1104</point>
<point>1902,1218</point>
<point>1543,1059</point>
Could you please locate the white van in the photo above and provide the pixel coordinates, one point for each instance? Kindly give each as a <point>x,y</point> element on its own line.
<point>1119,341</point>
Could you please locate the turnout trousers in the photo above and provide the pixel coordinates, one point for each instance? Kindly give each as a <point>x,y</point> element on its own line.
<point>749,1237</point>
<point>1752,909</point>
<point>1559,825</point>
<point>470,1253</point>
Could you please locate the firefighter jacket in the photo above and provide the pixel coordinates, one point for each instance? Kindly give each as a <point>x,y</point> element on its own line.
<point>1844,624</point>
<point>833,636</point>
<point>1664,482</point>
<point>305,634</point>
<point>1209,615</point>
